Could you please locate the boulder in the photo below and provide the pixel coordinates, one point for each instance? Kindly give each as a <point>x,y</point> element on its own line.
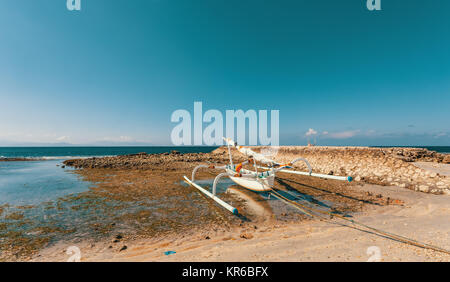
<point>446,159</point>
<point>424,188</point>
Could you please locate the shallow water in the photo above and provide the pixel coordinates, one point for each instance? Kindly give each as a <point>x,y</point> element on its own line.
<point>34,182</point>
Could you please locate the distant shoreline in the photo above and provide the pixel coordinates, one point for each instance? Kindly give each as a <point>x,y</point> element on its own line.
<point>64,153</point>
<point>20,159</point>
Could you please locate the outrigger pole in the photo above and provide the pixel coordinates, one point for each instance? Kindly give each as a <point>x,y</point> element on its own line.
<point>212,196</point>
<point>326,176</point>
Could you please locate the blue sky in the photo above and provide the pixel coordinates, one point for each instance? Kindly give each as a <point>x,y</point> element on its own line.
<point>114,72</point>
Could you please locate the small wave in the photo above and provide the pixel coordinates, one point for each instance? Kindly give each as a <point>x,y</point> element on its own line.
<point>70,157</point>
<point>62,157</point>
<point>49,158</point>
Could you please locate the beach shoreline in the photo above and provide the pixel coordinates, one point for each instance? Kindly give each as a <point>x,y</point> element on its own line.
<point>199,230</point>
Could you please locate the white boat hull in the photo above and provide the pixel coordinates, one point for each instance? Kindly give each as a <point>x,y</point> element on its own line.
<point>262,185</point>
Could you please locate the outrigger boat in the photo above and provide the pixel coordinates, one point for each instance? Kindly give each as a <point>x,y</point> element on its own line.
<point>262,181</point>
<point>258,181</point>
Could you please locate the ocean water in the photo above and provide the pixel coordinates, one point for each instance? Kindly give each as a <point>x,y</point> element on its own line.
<point>71,152</point>
<point>439,149</point>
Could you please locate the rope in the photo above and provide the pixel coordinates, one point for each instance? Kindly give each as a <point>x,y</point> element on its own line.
<point>309,211</point>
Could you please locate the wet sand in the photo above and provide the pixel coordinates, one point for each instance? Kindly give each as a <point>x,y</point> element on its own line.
<point>423,217</point>
<point>191,214</point>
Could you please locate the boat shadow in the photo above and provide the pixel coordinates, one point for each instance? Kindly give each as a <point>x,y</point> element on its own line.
<point>284,180</point>
<point>299,196</point>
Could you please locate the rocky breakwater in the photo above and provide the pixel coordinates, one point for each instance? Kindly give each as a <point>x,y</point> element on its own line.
<point>385,166</point>
<point>165,161</point>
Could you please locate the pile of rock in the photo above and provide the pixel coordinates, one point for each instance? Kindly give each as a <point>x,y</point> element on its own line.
<point>416,154</point>
<point>167,161</point>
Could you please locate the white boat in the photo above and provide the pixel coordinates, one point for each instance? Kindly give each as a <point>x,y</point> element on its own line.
<point>258,181</point>
<point>254,185</point>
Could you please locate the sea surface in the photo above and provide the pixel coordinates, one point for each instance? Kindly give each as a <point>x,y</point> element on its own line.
<point>30,183</point>
<point>73,152</point>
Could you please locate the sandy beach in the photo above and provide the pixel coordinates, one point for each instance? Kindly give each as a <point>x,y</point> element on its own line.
<point>424,217</point>
<point>267,230</point>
